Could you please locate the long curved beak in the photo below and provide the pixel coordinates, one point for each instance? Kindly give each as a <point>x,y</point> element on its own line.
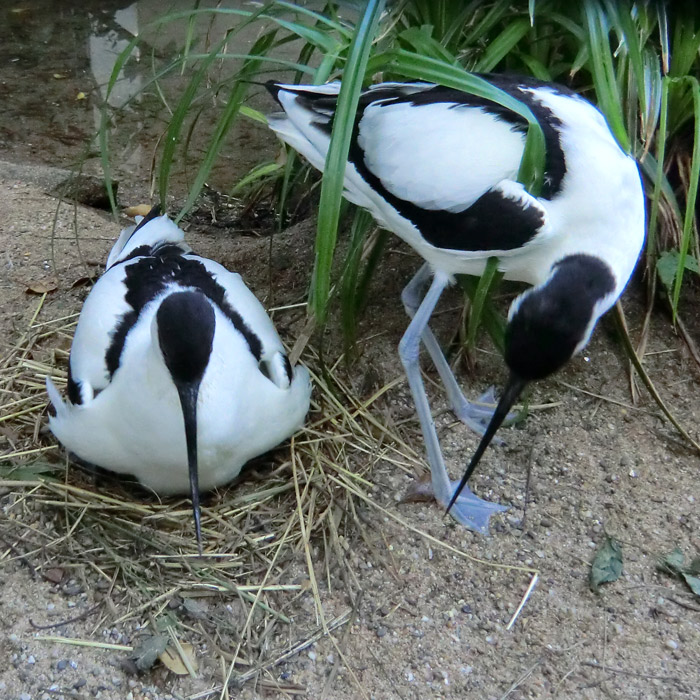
<point>510,394</point>
<point>188,393</point>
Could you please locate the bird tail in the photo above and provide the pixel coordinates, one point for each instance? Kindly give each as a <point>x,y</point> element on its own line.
<point>305,124</point>
<point>150,232</point>
<point>57,401</point>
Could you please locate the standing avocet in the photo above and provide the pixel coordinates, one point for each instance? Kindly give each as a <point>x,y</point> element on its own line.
<point>176,375</point>
<point>438,167</point>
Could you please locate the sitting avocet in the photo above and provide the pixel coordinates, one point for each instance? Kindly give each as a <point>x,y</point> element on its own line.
<point>438,167</point>
<point>176,375</point>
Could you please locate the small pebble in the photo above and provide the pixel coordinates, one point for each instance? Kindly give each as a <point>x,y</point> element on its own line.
<point>31,660</point>
<point>312,655</point>
<point>62,664</point>
<point>381,631</point>
<point>672,644</point>
<point>25,696</point>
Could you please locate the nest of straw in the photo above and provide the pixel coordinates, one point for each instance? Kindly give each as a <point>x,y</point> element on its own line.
<point>282,532</point>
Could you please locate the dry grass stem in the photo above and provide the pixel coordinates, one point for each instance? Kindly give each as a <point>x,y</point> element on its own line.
<point>282,532</point>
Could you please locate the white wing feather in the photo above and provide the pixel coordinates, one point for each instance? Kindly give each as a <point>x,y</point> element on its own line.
<point>438,156</point>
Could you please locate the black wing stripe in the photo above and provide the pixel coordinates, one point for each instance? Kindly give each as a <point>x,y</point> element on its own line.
<point>149,276</point>
<point>493,222</point>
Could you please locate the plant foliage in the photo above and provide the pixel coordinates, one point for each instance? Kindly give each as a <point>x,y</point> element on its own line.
<point>636,60</point>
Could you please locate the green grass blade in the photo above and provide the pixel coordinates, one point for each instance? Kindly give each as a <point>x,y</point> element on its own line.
<point>488,281</point>
<point>375,255</point>
<point>103,133</point>
<point>502,45</point>
<point>658,176</point>
<point>334,171</point>
<point>689,219</point>
<point>184,105</point>
<point>422,42</point>
<point>259,172</point>
<point>189,36</point>
<point>629,32</point>
<point>223,126</point>
<point>348,283</point>
<point>495,14</point>
<point>493,323</point>
<point>603,71</point>
<point>318,17</point>
<point>535,66</point>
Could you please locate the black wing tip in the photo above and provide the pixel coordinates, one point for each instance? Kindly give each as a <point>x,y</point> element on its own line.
<point>273,87</point>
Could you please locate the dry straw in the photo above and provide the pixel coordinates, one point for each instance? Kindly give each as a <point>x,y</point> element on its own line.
<point>285,532</point>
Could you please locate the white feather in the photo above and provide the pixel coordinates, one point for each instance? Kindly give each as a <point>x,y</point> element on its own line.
<point>436,155</point>
<point>132,422</point>
<point>156,232</point>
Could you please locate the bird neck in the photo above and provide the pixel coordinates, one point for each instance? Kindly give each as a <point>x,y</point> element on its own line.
<point>185,328</point>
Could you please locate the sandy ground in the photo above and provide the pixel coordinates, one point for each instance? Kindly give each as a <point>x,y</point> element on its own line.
<point>424,620</point>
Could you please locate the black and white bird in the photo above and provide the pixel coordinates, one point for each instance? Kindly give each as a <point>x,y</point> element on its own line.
<point>176,375</point>
<point>438,167</point>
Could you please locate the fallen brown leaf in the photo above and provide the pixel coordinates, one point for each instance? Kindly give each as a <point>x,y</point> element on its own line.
<point>41,287</point>
<point>138,210</point>
<point>174,662</point>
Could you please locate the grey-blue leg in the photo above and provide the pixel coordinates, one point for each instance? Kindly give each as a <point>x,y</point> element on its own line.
<point>472,415</point>
<point>470,510</point>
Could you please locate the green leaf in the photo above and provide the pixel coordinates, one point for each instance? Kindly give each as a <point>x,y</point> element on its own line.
<point>28,472</point>
<point>257,173</point>
<point>607,564</point>
<point>693,582</point>
<point>421,41</point>
<point>500,46</point>
<point>146,653</point>
<point>494,324</point>
<point>489,279</point>
<point>603,70</point>
<point>667,266</point>
<point>673,562</point>
<point>692,193</point>
<point>225,121</point>
<point>336,158</point>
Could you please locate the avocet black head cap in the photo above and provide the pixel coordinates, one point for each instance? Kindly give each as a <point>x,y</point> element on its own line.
<point>547,325</point>
<point>550,323</point>
<point>186,325</point>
